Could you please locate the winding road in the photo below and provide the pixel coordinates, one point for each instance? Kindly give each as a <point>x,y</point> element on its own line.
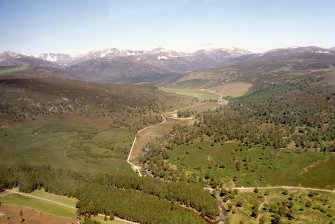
<point>164,116</point>
<point>249,189</point>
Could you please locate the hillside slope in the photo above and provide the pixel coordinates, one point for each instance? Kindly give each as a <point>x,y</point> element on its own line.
<point>261,69</point>
<point>34,94</point>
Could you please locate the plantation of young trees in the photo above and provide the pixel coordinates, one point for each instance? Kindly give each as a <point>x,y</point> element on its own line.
<point>144,200</point>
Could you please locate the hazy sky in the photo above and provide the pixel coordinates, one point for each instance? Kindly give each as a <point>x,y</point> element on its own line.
<point>77,26</point>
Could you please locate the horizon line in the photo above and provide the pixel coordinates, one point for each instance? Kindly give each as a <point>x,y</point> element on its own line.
<point>168,49</point>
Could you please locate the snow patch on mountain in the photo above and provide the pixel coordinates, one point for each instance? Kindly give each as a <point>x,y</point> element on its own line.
<point>159,50</point>
<point>162,58</point>
<point>321,52</point>
<point>54,57</point>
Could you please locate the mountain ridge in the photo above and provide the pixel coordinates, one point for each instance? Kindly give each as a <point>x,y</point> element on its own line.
<point>134,66</point>
<point>123,65</point>
<point>115,52</point>
<point>263,69</point>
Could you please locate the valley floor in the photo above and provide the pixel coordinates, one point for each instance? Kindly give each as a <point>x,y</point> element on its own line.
<point>149,133</point>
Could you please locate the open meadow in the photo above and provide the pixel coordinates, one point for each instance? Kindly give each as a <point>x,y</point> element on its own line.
<point>201,94</point>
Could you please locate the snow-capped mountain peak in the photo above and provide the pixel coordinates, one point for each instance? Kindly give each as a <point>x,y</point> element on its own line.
<point>9,54</point>
<point>58,58</point>
<point>206,57</point>
<point>159,50</point>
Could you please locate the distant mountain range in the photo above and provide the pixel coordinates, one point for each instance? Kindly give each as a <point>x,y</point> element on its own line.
<point>8,58</point>
<point>179,69</point>
<point>114,65</point>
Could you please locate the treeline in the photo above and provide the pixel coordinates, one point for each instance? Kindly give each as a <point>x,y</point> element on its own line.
<point>132,205</point>
<point>189,194</point>
<point>129,189</point>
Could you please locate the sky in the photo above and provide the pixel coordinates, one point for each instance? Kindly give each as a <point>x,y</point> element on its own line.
<point>78,26</point>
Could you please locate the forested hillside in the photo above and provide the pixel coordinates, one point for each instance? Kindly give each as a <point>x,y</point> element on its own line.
<point>34,95</point>
<point>287,121</point>
<point>281,133</point>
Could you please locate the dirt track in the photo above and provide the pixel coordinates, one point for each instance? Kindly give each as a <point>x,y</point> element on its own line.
<point>249,189</point>
<point>144,135</point>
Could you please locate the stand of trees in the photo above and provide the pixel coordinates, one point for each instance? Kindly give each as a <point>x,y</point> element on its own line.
<point>131,205</point>
<point>144,200</point>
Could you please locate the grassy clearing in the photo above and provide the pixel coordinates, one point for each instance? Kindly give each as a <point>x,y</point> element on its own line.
<point>102,220</point>
<point>18,214</point>
<point>201,94</point>
<point>64,146</point>
<point>292,206</point>
<point>255,166</point>
<point>40,205</point>
<point>234,89</point>
<point>54,197</point>
<point>202,107</point>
